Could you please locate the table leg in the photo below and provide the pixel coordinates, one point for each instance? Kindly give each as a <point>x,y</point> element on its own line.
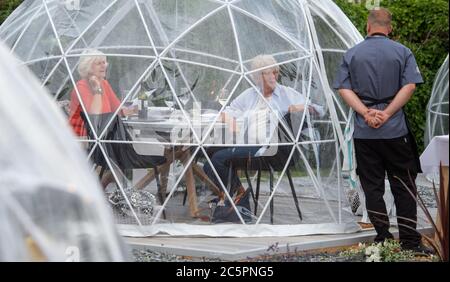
<point>190,184</point>
<point>150,176</point>
<point>203,177</point>
<point>184,157</point>
<point>145,180</point>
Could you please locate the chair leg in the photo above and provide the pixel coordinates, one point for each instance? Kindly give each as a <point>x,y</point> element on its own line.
<point>102,170</point>
<point>294,195</point>
<point>271,190</point>
<point>229,180</point>
<point>161,193</point>
<point>250,185</point>
<point>184,197</point>
<point>258,183</point>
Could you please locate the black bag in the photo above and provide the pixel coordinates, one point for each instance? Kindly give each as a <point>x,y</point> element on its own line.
<point>227,213</point>
<point>123,155</point>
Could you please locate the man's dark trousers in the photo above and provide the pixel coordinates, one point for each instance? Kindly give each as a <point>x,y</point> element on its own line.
<point>375,158</point>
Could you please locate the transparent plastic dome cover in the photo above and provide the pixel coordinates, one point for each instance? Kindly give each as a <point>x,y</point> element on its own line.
<point>51,205</point>
<point>188,85</point>
<point>437,109</point>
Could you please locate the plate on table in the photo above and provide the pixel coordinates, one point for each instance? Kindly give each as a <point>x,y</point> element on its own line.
<point>162,111</point>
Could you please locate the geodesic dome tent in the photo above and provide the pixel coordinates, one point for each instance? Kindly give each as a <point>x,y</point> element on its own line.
<point>437,112</point>
<point>51,206</point>
<point>437,108</point>
<point>183,63</point>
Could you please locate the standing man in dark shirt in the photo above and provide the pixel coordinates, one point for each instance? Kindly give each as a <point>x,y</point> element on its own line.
<point>377,77</point>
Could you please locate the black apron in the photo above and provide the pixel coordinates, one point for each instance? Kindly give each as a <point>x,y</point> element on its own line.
<point>412,140</point>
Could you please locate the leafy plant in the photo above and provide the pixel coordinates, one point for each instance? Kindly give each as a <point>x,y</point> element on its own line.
<point>156,79</point>
<point>6,8</point>
<point>387,251</point>
<point>440,241</point>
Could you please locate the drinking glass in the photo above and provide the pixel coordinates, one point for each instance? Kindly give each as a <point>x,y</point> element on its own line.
<point>184,96</point>
<point>169,101</point>
<point>223,96</point>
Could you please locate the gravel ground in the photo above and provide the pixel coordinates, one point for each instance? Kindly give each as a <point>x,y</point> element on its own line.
<point>427,195</point>
<point>332,255</point>
<point>329,256</point>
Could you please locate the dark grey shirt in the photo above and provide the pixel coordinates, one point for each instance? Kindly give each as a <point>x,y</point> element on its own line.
<point>378,68</point>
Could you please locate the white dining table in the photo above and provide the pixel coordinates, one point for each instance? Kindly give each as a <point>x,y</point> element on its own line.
<point>164,129</point>
<point>168,128</point>
<point>435,153</point>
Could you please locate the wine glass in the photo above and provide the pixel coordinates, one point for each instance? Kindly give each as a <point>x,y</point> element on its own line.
<point>184,95</point>
<point>223,96</point>
<point>169,102</point>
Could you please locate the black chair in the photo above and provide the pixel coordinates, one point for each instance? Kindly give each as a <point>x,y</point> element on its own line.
<point>122,155</point>
<point>271,164</point>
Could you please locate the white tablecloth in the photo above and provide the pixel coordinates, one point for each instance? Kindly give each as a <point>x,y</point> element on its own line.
<point>435,152</point>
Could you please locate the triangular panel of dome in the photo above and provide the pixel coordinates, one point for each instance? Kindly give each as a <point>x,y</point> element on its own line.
<point>329,11</point>
<point>257,37</point>
<point>310,138</point>
<point>321,160</point>
<point>117,185</point>
<point>332,60</point>
<point>171,89</point>
<point>211,42</point>
<point>328,31</point>
<point>47,67</point>
<point>20,15</point>
<point>184,186</point>
<point>18,20</point>
<point>71,21</point>
<point>59,82</point>
<point>316,113</point>
<point>273,179</point>
<point>301,187</point>
<point>110,31</point>
<point>208,199</point>
<point>286,16</point>
<point>168,19</point>
<point>198,89</point>
<point>39,40</point>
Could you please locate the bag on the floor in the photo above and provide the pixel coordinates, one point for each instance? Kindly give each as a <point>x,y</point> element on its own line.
<point>227,213</point>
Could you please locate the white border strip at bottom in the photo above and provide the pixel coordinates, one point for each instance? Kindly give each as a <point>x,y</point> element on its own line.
<point>236,230</point>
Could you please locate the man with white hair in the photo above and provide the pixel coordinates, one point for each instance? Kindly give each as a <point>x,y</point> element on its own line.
<point>267,95</point>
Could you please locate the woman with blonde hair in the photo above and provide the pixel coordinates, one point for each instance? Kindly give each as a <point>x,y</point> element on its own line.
<point>95,91</point>
<point>97,95</point>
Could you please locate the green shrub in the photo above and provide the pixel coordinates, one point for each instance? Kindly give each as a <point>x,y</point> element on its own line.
<point>6,8</point>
